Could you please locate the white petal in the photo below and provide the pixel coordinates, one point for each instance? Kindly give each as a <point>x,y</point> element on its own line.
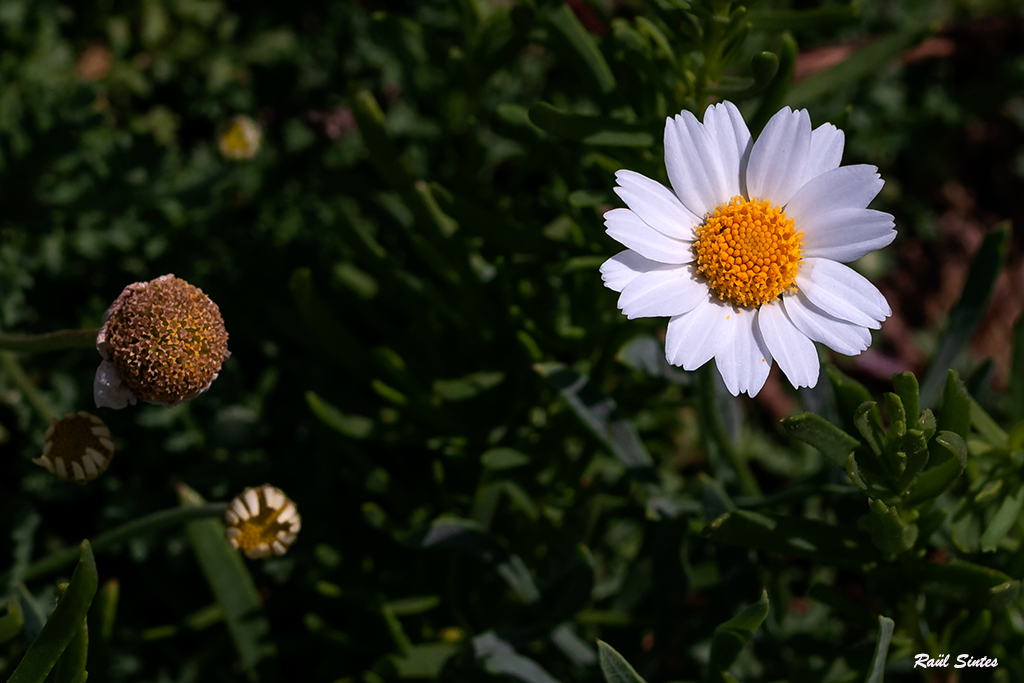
<point>629,229</point>
<point>779,157</point>
<point>826,151</point>
<point>847,234</point>
<point>846,187</point>
<point>732,138</point>
<point>839,335</point>
<point>742,356</point>
<point>694,166</point>
<point>842,292</point>
<point>108,390</point>
<point>656,205</point>
<point>663,292</point>
<point>789,346</point>
<point>624,267</point>
<point>691,340</point>
<point>252,501</point>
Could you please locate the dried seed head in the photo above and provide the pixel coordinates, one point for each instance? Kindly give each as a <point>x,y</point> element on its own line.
<point>163,342</point>
<point>262,521</point>
<point>77,448</point>
<point>241,138</point>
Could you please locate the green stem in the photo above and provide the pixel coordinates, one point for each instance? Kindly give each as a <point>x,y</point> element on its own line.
<point>713,422</point>
<point>49,341</point>
<point>35,397</point>
<point>136,527</point>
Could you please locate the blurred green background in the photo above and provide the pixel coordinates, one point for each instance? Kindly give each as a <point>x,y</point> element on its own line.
<point>410,241</point>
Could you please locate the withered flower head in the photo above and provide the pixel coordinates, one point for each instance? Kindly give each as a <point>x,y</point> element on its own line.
<point>241,138</point>
<point>162,341</point>
<point>262,521</point>
<point>77,448</point>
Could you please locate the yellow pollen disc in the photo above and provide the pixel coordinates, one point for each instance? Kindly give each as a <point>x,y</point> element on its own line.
<point>749,251</point>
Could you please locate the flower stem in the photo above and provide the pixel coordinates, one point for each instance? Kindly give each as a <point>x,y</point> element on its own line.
<point>49,341</point>
<point>136,527</point>
<point>713,422</point>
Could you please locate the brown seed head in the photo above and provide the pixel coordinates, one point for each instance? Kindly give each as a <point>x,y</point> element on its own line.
<point>77,448</point>
<point>165,338</point>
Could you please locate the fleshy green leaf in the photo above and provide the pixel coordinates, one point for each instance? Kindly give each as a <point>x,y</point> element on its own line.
<point>71,665</point>
<point>11,623</point>
<point>833,442</point>
<point>733,635</point>
<point>503,459</point>
<point>1004,520</point>
<point>965,316</point>
<point>888,532</point>
<point>970,583</point>
<point>63,625</point>
<point>582,43</point>
<point>906,387</point>
<point>956,407</point>
<point>787,535</point>
<point>593,130</point>
<point>354,426</point>
<point>614,666</point>
<point>232,586</point>
<point>949,452</point>
<point>817,19</point>
<point>876,673</point>
<point>775,94</point>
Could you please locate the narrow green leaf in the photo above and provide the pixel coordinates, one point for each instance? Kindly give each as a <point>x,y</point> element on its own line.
<point>382,153</point>
<point>876,674</point>
<point>232,586</point>
<point>775,94</point>
<point>582,43</point>
<point>907,389</point>
<point>787,535</point>
<point>594,130</point>
<point>1017,372</point>
<point>966,314</point>
<point>733,635</point>
<point>70,667</point>
<point>614,666</point>
<point>833,442</point>
<point>63,625</point>
<point>101,625</point>
<point>503,459</point>
<point>817,19</point>
<point>423,661</point>
<point>353,426</point>
<point>868,421</point>
<point>850,394</point>
<point>949,452</point>
<point>888,532</point>
<point>1004,520</point>
<point>23,536</point>
<point>11,623</point>
<point>416,605</point>
<point>861,64</point>
<point>986,426</point>
<point>956,407</point>
<point>970,583</point>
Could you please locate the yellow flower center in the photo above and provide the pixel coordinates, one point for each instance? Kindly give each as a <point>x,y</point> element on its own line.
<point>749,251</point>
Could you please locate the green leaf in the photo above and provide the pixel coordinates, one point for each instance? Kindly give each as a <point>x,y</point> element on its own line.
<point>423,661</point>
<point>353,426</point>
<point>503,459</point>
<point>787,535</point>
<point>1017,371</point>
<point>1004,520</point>
<point>23,536</point>
<point>988,428</point>
<point>970,583</point>
<point>733,635</point>
<point>71,665</point>
<point>232,587</point>
<point>863,63</point>
<point>965,316</point>
<point>582,43</point>
<point>956,407</point>
<point>101,624</point>
<point>593,130</point>
<point>817,19</point>
<point>876,673</point>
<point>468,386</point>
<point>11,623</point>
<point>63,625</point>
<point>850,394</point>
<point>833,442</point>
<point>868,421</point>
<point>416,605</point>
<point>614,666</point>
<point>949,452</point>
<point>775,93</point>
<point>907,389</point>
<point>888,531</point>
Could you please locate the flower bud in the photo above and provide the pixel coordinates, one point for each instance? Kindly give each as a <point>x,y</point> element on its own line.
<point>262,521</point>
<point>77,448</point>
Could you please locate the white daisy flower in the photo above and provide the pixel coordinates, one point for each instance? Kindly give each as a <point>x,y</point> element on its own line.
<point>745,254</point>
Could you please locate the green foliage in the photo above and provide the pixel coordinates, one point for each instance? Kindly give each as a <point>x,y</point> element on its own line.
<point>495,469</point>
